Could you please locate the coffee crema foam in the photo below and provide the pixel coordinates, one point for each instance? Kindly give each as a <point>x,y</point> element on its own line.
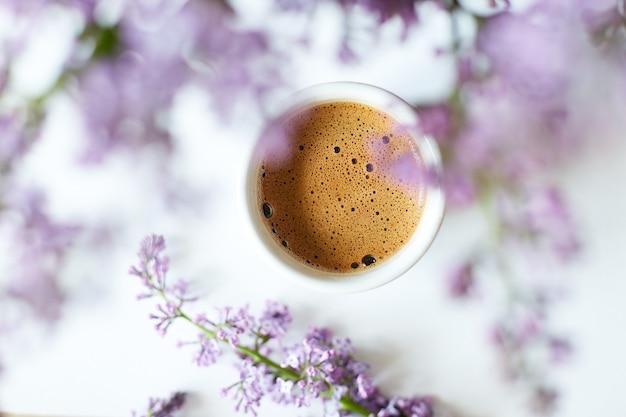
<point>343,193</point>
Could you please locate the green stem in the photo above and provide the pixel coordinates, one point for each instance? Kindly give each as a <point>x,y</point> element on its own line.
<point>349,405</point>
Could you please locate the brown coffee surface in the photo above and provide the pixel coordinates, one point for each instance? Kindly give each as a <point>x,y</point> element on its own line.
<point>343,194</point>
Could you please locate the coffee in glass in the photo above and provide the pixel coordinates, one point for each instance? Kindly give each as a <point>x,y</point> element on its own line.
<point>341,183</point>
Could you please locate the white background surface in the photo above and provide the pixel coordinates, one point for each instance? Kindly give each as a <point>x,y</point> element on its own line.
<point>105,359</point>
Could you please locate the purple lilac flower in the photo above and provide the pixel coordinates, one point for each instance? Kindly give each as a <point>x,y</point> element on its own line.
<point>290,392</point>
<point>20,7</point>
<point>166,315</point>
<point>254,382</point>
<point>435,120</point>
<point>151,249</point>
<point>122,100</point>
<point>544,399</point>
<point>233,324</point>
<point>528,97</point>
<point>386,9</point>
<point>383,10</point>
<point>86,7</point>
<point>410,407</point>
<point>155,49</point>
<point>152,271</point>
<point>510,125</point>
<point>528,137</point>
<point>540,216</point>
<point>236,65</point>
<point>12,142</point>
<point>36,236</point>
<point>364,386</point>
<point>18,130</point>
<point>461,280</point>
<point>274,320</point>
<point>328,363</point>
<point>165,407</point>
<point>209,351</point>
<point>560,349</point>
<point>532,51</point>
<point>604,20</point>
<point>524,337</point>
<point>460,188</point>
<point>152,264</point>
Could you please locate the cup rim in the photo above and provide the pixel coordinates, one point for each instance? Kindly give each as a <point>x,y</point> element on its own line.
<point>432,214</point>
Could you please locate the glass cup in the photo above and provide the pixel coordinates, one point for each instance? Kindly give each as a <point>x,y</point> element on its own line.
<point>433,209</point>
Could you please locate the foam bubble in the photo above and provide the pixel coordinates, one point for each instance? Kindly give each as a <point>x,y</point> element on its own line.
<point>368,260</point>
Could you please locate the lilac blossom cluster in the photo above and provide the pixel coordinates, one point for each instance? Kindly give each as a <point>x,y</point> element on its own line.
<point>37,236</point>
<point>320,367</point>
<point>168,407</point>
<point>126,66</point>
<point>122,72</point>
<point>523,332</point>
<point>511,118</point>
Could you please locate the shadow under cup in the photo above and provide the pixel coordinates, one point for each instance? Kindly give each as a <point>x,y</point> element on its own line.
<point>275,143</point>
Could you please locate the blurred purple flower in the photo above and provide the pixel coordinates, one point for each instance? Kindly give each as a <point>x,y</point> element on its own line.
<point>459,186</point>
<point>386,9</point>
<point>12,143</point>
<point>21,7</point>
<point>560,349</point>
<point>461,280</point>
<point>516,120</point>
<point>383,10</point>
<point>540,219</point>
<point>31,7</point>
<point>165,407</point>
<point>604,20</point>
<point>531,51</point>
<point>18,131</point>
<point>544,399</point>
<point>122,100</point>
<point>235,65</point>
<point>40,244</point>
<point>140,63</point>
<point>512,126</point>
<point>209,351</point>
<point>435,120</point>
<point>415,407</point>
<point>528,346</point>
<point>527,137</point>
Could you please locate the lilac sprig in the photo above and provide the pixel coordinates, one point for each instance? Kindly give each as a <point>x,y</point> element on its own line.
<point>529,233</point>
<point>522,334</point>
<point>511,118</point>
<point>161,407</point>
<point>152,270</point>
<point>319,367</point>
<point>33,291</point>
